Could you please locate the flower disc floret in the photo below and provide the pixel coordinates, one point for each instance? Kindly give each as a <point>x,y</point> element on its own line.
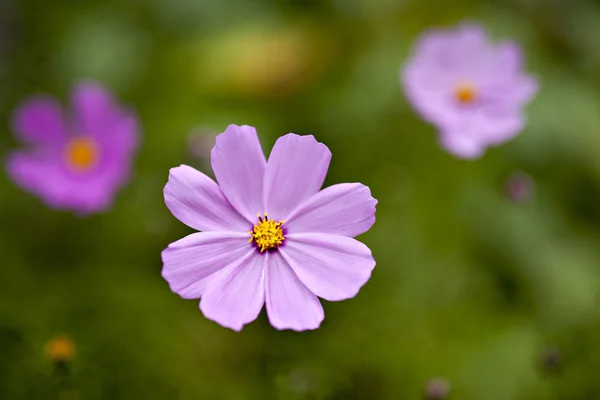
<point>267,234</point>
<point>465,92</point>
<point>81,153</point>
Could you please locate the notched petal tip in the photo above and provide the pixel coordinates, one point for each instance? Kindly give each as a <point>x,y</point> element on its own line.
<point>233,129</point>
<point>235,295</point>
<point>306,139</point>
<point>370,201</point>
<point>233,327</point>
<point>175,170</point>
<point>298,328</point>
<point>172,177</point>
<point>369,193</point>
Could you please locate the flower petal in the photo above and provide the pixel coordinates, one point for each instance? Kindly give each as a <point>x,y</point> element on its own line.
<point>296,170</point>
<point>93,108</point>
<point>239,166</point>
<point>470,37</point>
<point>499,124</point>
<point>197,201</point>
<point>40,174</point>
<point>333,267</point>
<point>290,304</point>
<point>462,144</point>
<point>44,175</point>
<point>347,209</point>
<point>189,262</point>
<point>516,92</point>
<point>507,60</point>
<point>97,114</point>
<point>40,120</point>
<point>235,296</point>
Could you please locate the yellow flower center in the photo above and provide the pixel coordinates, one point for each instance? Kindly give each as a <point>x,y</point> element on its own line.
<point>267,234</point>
<point>81,153</point>
<point>60,349</point>
<point>465,92</point>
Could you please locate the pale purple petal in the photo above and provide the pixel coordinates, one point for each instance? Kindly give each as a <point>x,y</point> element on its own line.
<point>462,144</point>
<point>515,92</point>
<point>40,121</point>
<point>469,41</point>
<point>430,89</point>
<point>526,89</point>
<point>499,125</point>
<point>489,125</point>
<point>296,170</point>
<point>435,103</point>
<point>347,209</point>
<point>450,52</point>
<point>189,262</point>
<point>290,304</point>
<point>239,166</point>
<point>197,201</point>
<point>508,60</point>
<point>333,267</point>
<point>235,295</point>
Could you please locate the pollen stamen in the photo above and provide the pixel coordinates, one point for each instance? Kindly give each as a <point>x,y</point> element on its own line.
<point>267,234</point>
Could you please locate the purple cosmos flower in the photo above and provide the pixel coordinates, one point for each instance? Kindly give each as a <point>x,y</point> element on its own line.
<point>520,188</point>
<point>437,389</point>
<point>269,236</point>
<point>74,161</point>
<point>472,90</point>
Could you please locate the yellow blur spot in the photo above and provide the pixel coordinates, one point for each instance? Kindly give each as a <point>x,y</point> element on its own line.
<point>263,59</point>
<point>60,349</point>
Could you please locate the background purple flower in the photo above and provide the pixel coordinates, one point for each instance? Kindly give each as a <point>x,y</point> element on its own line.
<point>472,90</point>
<point>241,261</point>
<point>76,160</point>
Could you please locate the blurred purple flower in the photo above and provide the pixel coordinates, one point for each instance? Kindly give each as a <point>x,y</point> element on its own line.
<point>520,188</point>
<point>551,359</point>
<point>437,389</point>
<point>74,161</point>
<point>472,90</point>
<point>201,141</point>
<point>302,249</point>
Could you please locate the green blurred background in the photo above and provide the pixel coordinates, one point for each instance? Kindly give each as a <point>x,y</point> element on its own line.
<point>494,291</point>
